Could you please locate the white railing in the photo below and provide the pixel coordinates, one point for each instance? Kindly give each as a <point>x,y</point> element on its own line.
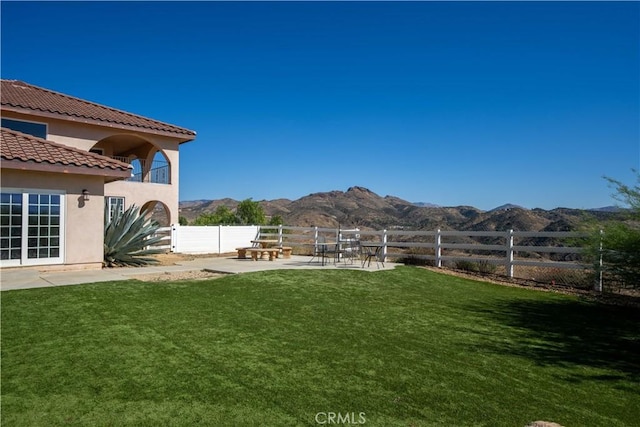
<point>159,172</point>
<point>436,241</point>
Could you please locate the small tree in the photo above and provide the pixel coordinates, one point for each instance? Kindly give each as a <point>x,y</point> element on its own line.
<point>182,220</point>
<point>222,215</point>
<point>618,244</point>
<point>276,220</point>
<point>250,212</point>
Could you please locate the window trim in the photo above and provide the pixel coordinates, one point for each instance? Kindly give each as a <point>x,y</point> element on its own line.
<point>107,204</point>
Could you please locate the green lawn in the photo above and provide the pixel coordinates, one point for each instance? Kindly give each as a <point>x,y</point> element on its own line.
<point>406,347</point>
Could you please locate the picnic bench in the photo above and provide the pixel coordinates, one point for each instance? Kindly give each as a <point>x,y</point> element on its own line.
<point>264,252</point>
<point>272,253</point>
<point>286,251</point>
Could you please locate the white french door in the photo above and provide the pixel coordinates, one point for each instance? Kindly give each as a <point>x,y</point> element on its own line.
<point>31,227</point>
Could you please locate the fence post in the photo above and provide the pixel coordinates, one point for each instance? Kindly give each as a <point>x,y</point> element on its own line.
<point>438,248</point>
<point>280,235</point>
<point>598,285</point>
<point>174,236</point>
<point>219,239</point>
<point>509,263</point>
<point>384,245</point>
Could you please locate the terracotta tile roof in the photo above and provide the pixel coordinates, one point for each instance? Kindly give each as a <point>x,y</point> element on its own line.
<point>26,98</point>
<point>22,151</point>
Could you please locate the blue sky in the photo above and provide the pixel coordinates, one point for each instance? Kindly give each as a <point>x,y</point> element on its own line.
<point>452,103</point>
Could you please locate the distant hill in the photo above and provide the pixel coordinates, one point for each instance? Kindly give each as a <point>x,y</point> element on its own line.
<point>506,207</point>
<point>360,207</point>
<point>426,205</point>
<point>608,209</point>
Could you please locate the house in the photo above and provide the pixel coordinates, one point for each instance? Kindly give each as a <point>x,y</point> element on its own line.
<point>64,161</point>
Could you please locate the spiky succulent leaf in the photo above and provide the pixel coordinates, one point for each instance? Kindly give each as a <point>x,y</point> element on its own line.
<point>129,237</point>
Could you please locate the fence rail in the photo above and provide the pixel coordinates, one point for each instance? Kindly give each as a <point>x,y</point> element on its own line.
<point>505,249</point>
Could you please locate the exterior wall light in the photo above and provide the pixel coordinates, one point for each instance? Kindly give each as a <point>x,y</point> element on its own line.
<point>85,195</point>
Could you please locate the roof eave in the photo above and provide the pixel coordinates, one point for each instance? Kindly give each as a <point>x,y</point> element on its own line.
<point>107,173</point>
<point>184,137</point>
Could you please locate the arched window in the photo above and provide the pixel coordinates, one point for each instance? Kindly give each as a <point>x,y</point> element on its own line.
<point>160,172</point>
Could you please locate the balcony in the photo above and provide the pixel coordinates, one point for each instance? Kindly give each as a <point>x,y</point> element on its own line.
<point>158,173</point>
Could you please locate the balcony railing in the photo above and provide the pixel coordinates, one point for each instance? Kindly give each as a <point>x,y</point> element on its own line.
<point>159,173</point>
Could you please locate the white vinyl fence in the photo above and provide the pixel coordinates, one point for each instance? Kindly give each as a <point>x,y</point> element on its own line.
<point>213,239</point>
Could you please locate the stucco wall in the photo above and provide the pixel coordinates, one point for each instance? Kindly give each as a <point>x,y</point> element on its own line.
<point>84,137</point>
<point>84,220</point>
<point>139,193</point>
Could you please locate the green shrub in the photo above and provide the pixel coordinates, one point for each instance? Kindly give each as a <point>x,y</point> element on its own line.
<point>223,215</point>
<point>486,267</point>
<point>250,213</point>
<point>414,257</point>
<point>466,265</point>
<point>482,266</point>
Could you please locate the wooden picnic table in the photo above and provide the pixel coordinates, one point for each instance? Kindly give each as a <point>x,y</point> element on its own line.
<point>264,243</point>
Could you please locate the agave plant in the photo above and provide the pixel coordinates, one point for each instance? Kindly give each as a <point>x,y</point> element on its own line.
<point>129,238</point>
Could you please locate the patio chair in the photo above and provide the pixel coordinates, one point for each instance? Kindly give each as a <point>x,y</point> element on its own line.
<point>371,253</point>
<point>323,251</point>
<point>349,250</point>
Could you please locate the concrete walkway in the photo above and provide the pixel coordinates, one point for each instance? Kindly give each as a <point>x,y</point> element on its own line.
<point>26,278</point>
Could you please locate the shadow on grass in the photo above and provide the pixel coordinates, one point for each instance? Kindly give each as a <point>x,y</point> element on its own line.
<point>569,333</point>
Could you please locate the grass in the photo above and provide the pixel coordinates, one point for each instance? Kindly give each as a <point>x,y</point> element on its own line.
<point>406,347</point>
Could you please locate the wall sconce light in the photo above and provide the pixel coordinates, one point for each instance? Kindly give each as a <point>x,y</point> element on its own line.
<point>85,195</point>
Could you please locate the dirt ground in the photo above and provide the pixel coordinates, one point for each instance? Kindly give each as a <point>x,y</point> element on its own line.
<point>629,298</point>
<point>173,259</point>
<point>179,275</point>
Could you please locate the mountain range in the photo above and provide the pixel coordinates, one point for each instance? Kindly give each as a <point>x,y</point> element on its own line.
<point>360,207</point>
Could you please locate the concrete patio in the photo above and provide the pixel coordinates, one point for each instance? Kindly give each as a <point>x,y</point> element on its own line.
<point>26,278</point>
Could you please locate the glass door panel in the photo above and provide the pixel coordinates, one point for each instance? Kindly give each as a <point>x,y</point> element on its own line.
<point>10,228</point>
